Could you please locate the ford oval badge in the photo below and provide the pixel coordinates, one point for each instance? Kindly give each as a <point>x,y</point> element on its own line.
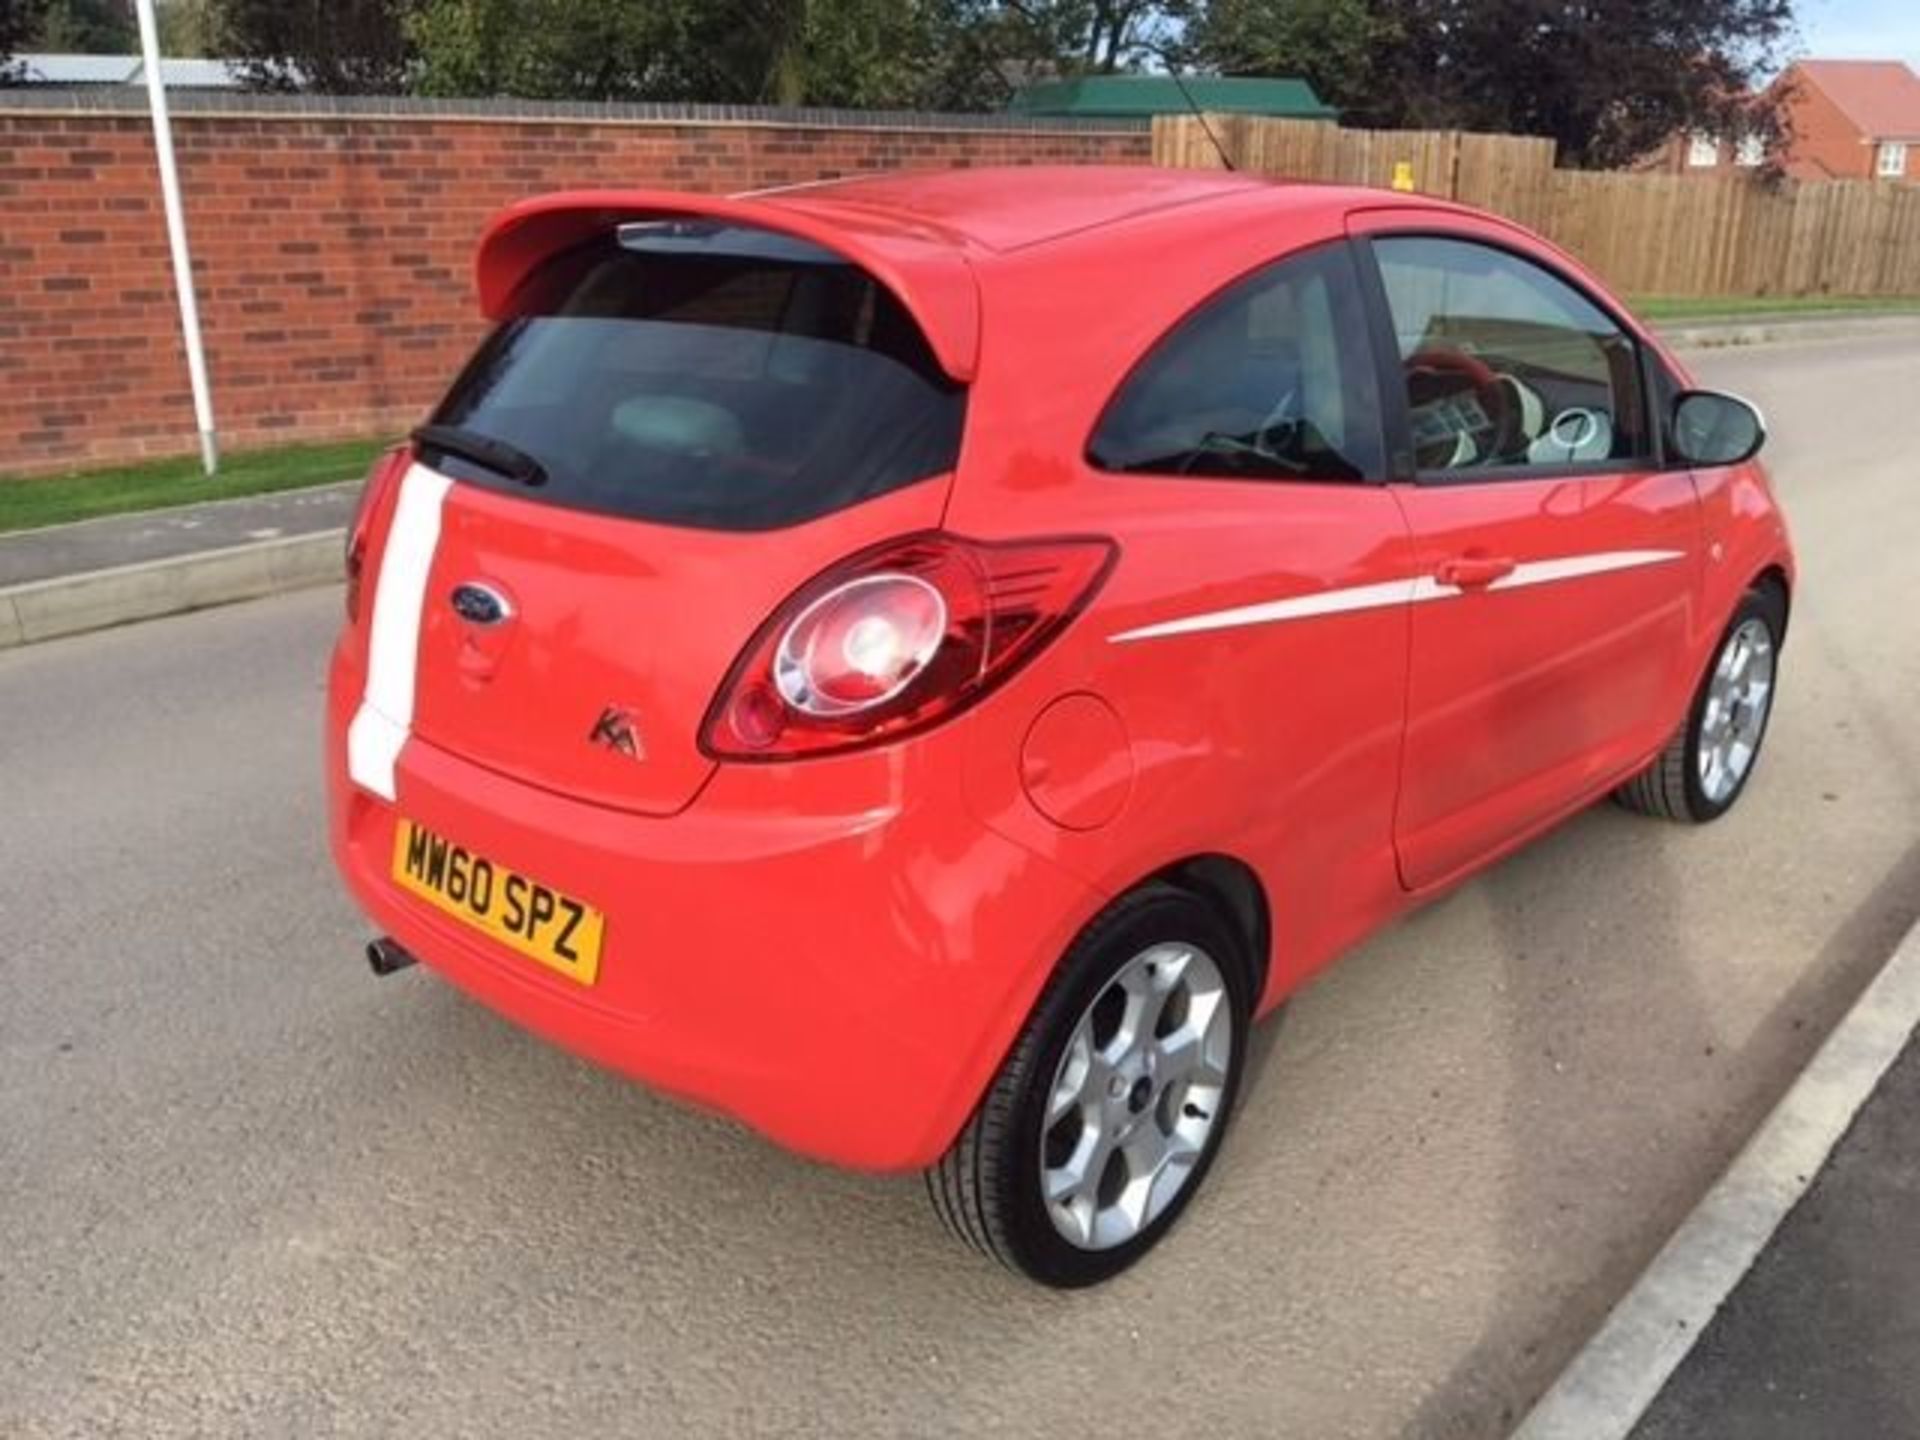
<point>479,604</point>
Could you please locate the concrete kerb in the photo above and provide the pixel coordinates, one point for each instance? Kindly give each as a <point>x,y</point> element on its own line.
<point>70,605</point>
<point>1723,335</point>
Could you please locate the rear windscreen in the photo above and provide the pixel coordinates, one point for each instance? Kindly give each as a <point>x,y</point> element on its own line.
<point>704,375</point>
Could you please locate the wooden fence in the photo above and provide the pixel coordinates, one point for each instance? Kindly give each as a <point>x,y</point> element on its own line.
<point>1646,234</point>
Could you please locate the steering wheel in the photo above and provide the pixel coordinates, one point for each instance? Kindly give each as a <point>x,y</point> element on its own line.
<point>1284,414</point>
<point>1496,400</point>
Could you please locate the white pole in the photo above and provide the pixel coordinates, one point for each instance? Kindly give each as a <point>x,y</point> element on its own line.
<point>177,238</point>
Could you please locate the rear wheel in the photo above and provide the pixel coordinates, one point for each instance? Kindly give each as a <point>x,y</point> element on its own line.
<point>1707,764</point>
<point>1104,1119</point>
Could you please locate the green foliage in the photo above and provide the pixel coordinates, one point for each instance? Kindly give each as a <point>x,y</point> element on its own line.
<point>335,47</point>
<point>541,49</point>
<point>856,53</point>
<point>1608,79</point>
<point>87,27</point>
<point>186,27</point>
<point>1090,36</point>
<point>1334,45</point>
<point>19,22</point>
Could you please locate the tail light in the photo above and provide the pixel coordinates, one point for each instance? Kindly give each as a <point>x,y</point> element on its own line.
<point>385,471</point>
<point>897,639</point>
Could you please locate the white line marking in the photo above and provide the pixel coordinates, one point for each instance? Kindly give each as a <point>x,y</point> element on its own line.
<point>1609,1385</point>
<point>380,727</point>
<point>1414,590</point>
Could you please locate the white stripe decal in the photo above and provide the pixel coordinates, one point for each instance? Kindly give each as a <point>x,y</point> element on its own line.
<point>1299,607</point>
<point>1414,590</point>
<point>380,727</point>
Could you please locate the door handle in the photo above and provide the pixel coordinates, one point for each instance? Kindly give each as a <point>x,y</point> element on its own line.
<point>1474,572</point>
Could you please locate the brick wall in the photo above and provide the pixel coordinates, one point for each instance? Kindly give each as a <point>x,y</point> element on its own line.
<point>332,250</point>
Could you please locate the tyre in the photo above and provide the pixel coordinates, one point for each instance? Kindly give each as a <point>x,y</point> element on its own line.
<point>1101,1124</point>
<point>1707,763</point>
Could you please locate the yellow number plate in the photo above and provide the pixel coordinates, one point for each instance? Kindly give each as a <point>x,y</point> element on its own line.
<point>522,914</point>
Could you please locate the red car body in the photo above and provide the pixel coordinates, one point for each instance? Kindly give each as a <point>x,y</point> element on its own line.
<point>1327,701</point>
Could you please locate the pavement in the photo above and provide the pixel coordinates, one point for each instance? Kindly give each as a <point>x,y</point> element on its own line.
<point>58,551</point>
<point>251,1190</point>
<point>68,579</point>
<point>1787,329</point>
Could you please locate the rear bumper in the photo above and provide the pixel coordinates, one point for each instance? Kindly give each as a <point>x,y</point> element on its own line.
<point>834,952</point>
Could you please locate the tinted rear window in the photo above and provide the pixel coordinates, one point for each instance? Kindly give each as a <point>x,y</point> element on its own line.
<point>707,376</point>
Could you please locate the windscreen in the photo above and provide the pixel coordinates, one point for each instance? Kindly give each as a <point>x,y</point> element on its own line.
<point>703,375</point>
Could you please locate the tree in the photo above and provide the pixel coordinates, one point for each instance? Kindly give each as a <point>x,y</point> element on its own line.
<point>88,27</point>
<point>938,54</point>
<point>1331,44</point>
<point>545,49</point>
<point>19,22</point>
<point>861,54</point>
<point>1069,37</point>
<point>857,53</point>
<point>336,47</point>
<point>1609,80</point>
<point>186,27</point>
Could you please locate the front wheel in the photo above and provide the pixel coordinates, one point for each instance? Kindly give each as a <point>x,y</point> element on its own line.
<point>1103,1121</point>
<point>1709,760</point>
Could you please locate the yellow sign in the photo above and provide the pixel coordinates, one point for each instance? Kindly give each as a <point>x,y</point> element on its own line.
<point>1403,175</point>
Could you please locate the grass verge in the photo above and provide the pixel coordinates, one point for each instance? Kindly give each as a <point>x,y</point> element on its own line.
<point>1669,308</point>
<point>162,484</point>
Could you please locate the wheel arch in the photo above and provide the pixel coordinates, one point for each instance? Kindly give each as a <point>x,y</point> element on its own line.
<point>1774,577</point>
<point>1234,888</point>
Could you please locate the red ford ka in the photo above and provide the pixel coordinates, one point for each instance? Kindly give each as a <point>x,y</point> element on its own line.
<point>920,663</point>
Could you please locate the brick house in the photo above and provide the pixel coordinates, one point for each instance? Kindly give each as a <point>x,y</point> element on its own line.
<point>1854,120</point>
<point>1847,119</point>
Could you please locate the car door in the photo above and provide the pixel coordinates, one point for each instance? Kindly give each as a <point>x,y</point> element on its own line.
<point>1259,613</point>
<point>1557,560</point>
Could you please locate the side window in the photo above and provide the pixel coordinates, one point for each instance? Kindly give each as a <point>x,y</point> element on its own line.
<point>1505,363</point>
<point>1270,380</point>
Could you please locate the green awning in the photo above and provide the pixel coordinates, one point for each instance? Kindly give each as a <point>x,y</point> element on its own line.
<point>1115,97</point>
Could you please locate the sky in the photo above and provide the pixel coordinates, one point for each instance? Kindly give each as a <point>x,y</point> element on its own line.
<point>1861,29</point>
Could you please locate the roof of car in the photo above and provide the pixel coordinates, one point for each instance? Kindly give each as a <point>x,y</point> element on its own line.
<point>1017,206</point>
<point>916,233</point>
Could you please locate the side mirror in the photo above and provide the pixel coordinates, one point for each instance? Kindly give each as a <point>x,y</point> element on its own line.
<point>1710,428</point>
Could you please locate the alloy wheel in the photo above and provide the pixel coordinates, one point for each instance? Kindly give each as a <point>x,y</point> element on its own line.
<point>1138,1090</point>
<point>1735,717</point>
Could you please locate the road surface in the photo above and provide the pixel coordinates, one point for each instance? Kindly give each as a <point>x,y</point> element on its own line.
<point>248,1189</point>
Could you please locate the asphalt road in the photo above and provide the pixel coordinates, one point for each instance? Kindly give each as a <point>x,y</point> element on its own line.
<point>1820,1337</point>
<point>247,1189</point>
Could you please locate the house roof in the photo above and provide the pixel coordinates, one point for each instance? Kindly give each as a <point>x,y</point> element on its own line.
<point>183,74</point>
<point>1880,97</point>
<point>1118,96</point>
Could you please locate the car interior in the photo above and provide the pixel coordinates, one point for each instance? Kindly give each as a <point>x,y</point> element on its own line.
<point>1505,364</point>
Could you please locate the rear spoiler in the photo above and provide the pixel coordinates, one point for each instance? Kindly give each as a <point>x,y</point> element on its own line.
<point>928,275</point>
